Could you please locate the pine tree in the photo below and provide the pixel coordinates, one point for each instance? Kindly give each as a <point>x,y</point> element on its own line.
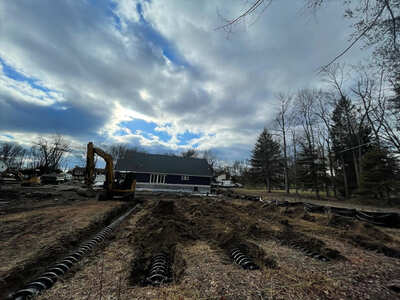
<point>349,143</point>
<point>266,159</point>
<point>311,170</point>
<point>380,176</point>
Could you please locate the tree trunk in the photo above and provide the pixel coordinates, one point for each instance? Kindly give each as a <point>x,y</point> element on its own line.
<point>356,168</point>
<point>346,187</point>
<point>331,172</point>
<point>286,162</point>
<point>295,162</point>
<point>268,185</point>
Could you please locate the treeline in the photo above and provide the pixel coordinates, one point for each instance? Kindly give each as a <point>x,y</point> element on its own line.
<point>46,154</point>
<point>341,141</point>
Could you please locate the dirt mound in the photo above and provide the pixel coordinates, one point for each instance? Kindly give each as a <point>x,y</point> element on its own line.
<point>309,245</point>
<point>366,243</point>
<point>308,217</point>
<point>341,222</point>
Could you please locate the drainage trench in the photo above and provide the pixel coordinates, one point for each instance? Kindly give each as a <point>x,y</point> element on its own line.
<point>298,246</point>
<point>47,279</point>
<point>241,258</point>
<point>159,271</point>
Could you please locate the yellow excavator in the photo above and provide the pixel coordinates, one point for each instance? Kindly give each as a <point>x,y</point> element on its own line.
<point>116,186</point>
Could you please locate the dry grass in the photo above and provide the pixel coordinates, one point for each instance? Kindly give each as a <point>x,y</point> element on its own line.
<point>24,235</point>
<point>307,196</point>
<point>208,272</point>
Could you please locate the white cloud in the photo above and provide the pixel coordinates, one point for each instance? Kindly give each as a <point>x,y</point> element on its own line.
<point>189,78</point>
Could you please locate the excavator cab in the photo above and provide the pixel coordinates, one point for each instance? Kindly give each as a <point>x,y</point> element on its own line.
<point>120,185</point>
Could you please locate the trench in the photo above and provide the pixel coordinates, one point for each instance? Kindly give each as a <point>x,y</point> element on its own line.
<point>42,278</point>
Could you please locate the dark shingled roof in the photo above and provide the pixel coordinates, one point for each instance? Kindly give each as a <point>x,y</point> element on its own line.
<point>154,163</point>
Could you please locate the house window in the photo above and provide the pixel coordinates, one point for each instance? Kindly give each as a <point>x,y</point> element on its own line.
<point>157,178</point>
<point>184,177</point>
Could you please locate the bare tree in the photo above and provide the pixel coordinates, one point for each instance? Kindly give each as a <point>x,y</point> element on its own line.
<point>189,153</point>
<point>12,154</point>
<point>370,94</point>
<point>283,122</point>
<point>323,111</point>
<point>374,22</point>
<point>305,107</point>
<point>48,153</point>
<point>210,157</point>
<point>118,151</point>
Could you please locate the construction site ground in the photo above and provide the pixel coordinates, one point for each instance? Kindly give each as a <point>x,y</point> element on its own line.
<point>38,226</point>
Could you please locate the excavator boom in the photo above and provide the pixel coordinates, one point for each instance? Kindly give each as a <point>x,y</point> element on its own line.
<point>111,187</point>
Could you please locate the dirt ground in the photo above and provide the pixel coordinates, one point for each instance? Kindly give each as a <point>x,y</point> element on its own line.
<point>300,255</point>
<point>38,225</point>
<point>317,258</point>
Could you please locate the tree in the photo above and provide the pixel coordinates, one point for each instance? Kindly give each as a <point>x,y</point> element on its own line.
<point>210,157</point>
<point>48,153</point>
<point>12,154</point>
<point>118,151</point>
<point>283,122</point>
<point>311,170</point>
<point>189,153</point>
<point>266,159</point>
<point>380,176</point>
<point>350,140</point>
<point>310,160</point>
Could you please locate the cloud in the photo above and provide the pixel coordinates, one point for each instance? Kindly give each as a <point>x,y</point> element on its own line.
<point>93,70</point>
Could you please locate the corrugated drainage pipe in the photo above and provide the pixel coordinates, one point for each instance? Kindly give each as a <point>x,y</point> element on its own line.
<point>243,260</point>
<point>53,273</point>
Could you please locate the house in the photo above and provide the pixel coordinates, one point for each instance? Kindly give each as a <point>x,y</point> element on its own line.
<point>165,172</point>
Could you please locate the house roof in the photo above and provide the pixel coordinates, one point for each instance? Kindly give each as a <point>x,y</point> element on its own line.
<point>166,164</point>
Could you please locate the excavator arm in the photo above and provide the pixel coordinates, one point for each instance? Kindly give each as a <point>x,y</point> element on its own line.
<point>90,166</point>
<point>125,189</point>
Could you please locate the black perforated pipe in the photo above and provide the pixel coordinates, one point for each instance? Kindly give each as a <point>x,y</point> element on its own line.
<point>53,273</point>
<point>296,245</point>
<point>159,271</point>
<point>243,260</point>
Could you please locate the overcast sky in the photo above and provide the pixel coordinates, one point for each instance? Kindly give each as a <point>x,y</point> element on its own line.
<point>156,74</point>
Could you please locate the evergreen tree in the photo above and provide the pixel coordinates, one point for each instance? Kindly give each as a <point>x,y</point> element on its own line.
<point>266,159</point>
<point>311,171</point>
<point>349,143</point>
<point>380,173</point>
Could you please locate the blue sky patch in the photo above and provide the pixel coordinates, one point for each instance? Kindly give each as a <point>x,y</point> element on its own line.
<point>10,72</point>
<point>168,49</point>
<point>186,137</point>
<point>146,127</point>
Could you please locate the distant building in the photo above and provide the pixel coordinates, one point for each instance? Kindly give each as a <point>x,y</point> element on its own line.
<point>223,181</point>
<point>165,172</point>
<point>78,173</point>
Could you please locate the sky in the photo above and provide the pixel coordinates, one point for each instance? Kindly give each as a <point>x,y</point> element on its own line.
<point>157,74</point>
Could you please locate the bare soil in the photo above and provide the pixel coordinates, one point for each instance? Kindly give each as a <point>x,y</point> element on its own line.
<point>38,226</point>
<point>300,255</point>
<point>198,233</point>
